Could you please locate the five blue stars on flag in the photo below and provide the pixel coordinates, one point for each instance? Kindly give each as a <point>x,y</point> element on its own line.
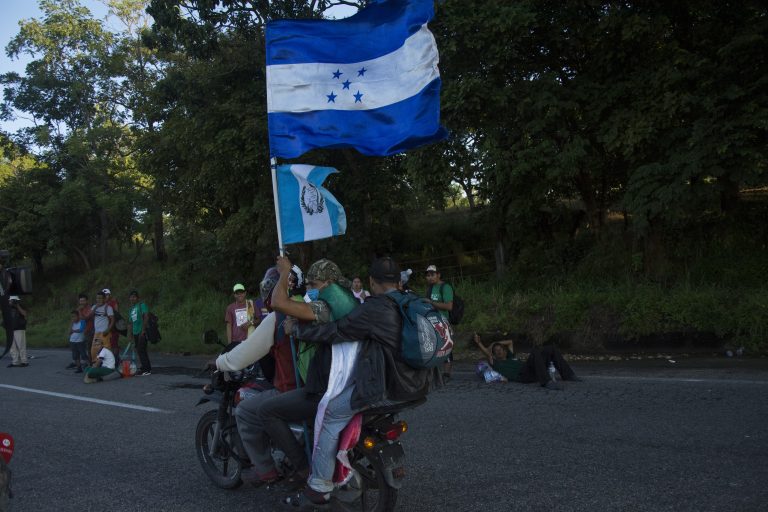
<point>345,85</point>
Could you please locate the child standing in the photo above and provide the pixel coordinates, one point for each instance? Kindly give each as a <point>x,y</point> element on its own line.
<point>104,364</point>
<point>77,342</point>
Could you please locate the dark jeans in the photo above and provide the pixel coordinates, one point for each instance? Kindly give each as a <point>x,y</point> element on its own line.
<point>8,328</point>
<point>79,352</point>
<point>141,350</point>
<point>536,366</point>
<point>279,411</point>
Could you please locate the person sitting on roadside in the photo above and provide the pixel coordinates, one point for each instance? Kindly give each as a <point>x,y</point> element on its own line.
<point>103,366</point>
<point>378,377</point>
<point>501,357</point>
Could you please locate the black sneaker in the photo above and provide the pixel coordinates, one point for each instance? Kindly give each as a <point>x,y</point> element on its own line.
<point>71,365</point>
<point>310,499</point>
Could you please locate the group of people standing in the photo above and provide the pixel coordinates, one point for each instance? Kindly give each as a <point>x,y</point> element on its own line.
<point>94,335</point>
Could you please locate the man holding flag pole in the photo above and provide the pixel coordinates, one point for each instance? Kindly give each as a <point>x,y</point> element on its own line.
<point>369,82</point>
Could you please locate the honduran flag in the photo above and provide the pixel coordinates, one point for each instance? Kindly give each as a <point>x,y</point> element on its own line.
<point>369,82</point>
<point>307,210</point>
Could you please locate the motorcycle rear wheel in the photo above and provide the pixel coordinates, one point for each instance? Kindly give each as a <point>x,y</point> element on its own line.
<point>370,486</point>
<point>221,467</point>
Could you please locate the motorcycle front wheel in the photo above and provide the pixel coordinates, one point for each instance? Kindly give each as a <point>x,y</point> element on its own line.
<point>368,487</point>
<point>222,467</point>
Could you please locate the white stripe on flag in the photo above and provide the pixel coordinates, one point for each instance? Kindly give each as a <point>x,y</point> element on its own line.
<point>318,224</point>
<point>389,79</point>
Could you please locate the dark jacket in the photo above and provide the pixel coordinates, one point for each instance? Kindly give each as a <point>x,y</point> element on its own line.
<point>379,373</point>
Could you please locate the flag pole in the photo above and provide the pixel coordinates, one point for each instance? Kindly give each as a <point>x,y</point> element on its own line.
<point>273,168</point>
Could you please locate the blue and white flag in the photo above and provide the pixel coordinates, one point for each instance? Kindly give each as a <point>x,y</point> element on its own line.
<point>307,210</point>
<point>369,82</point>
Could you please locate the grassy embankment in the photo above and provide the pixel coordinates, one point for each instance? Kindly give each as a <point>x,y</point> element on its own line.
<point>585,314</point>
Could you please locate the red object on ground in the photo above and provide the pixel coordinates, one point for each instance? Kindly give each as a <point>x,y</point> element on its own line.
<point>126,368</point>
<point>6,446</point>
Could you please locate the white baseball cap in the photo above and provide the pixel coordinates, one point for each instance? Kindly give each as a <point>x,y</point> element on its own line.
<point>106,291</point>
<point>431,268</point>
<point>14,297</point>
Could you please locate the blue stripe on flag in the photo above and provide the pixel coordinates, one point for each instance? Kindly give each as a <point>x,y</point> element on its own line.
<point>377,132</point>
<point>372,32</point>
<point>291,224</point>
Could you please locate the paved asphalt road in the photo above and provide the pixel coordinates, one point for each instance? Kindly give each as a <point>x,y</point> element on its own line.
<point>655,436</point>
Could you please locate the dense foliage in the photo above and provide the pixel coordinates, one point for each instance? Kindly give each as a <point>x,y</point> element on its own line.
<point>591,139</point>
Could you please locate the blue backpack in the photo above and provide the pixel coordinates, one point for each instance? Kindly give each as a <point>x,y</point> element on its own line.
<point>426,337</point>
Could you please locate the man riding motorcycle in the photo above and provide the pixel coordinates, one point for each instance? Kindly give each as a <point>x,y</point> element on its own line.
<point>251,425</point>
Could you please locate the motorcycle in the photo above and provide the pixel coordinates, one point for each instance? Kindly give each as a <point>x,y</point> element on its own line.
<point>368,480</point>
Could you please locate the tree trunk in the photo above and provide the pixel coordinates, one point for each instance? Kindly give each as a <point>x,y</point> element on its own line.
<point>37,259</point>
<point>103,236</point>
<point>158,229</point>
<point>588,195</point>
<point>729,194</point>
<point>83,257</point>
<point>500,255</point>
<point>470,196</point>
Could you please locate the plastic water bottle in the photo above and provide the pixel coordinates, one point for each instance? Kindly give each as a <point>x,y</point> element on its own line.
<point>552,371</point>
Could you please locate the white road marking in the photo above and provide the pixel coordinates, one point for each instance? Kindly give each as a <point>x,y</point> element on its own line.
<point>86,399</point>
<point>675,379</point>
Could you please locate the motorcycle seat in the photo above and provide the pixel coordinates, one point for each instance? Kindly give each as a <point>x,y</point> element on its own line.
<point>389,409</point>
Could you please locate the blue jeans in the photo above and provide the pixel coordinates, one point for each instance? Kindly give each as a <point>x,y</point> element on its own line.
<point>337,414</point>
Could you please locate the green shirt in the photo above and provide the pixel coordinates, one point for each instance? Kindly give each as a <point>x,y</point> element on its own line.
<point>441,292</point>
<point>509,367</point>
<point>136,316</point>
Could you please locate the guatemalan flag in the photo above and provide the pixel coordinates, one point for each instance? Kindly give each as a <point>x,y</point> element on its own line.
<point>307,210</point>
<point>369,81</point>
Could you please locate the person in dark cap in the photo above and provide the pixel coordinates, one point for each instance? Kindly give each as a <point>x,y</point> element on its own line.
<point>379,377</point>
